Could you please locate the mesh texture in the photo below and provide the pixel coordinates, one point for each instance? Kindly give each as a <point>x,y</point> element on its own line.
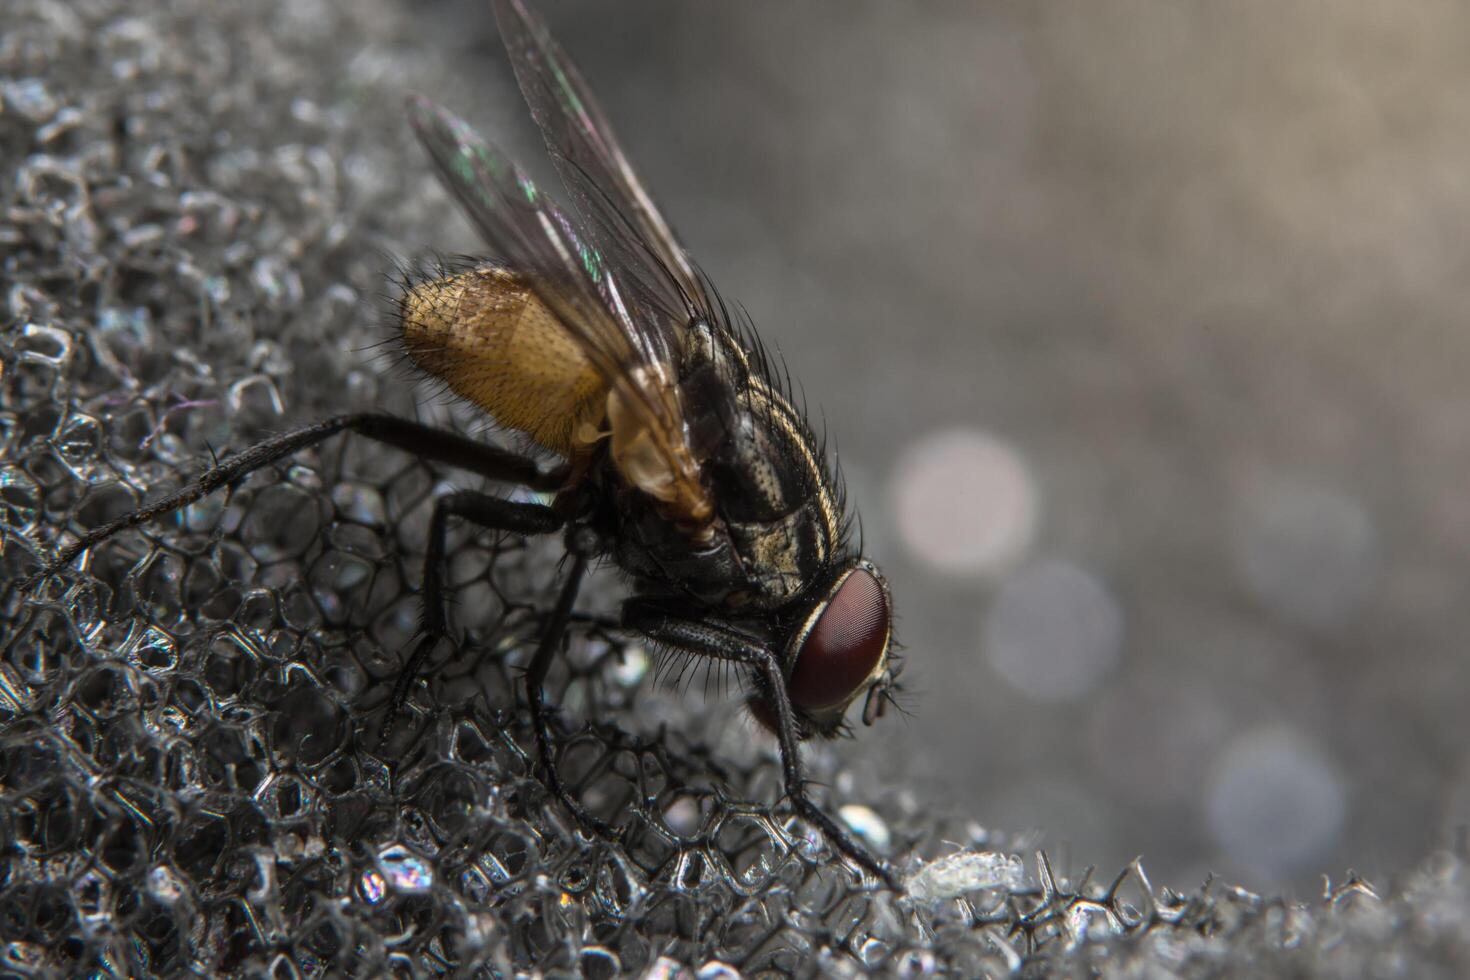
<point>196,206</point>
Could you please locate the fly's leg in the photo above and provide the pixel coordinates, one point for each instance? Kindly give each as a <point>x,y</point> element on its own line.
<point>487,511</point>
<point>707,640</point>
<point>422,441</point>
<point>581,548</point>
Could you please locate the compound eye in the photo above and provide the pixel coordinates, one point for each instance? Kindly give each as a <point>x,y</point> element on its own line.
<point>844,646</point>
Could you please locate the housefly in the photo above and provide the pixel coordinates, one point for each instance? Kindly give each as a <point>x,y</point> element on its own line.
<point>683,461</point>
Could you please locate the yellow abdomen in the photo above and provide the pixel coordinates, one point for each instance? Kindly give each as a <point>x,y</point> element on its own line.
<point>492,341</point>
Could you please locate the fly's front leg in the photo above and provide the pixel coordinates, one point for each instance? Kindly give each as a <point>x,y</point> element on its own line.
<point>581,545</point>
<point>707,640</point>
<point>487,511</point>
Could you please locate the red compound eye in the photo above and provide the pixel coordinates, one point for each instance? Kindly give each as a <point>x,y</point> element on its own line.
<point>843,647</point>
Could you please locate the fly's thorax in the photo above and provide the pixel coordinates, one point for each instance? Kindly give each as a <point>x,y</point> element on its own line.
<point>736,568</point>
<point>664,560</point>
<point>485,334</point>
<point>776,529</point>
<point>770,483</point>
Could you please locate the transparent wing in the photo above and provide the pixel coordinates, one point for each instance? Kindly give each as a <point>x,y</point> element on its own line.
<point>534,238</point>
<point>616,210</point>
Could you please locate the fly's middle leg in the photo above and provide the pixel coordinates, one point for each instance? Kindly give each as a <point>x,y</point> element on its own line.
<point>487,511</point>
<point>581,545</point>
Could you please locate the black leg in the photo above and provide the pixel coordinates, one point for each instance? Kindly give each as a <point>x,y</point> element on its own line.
<point>704,639</point>
<point>488,512</point>
<point>423,441</point>
<point>551,639</point>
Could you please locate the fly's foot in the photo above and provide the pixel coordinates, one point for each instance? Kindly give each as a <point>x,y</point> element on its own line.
<point>588,821</point>
<point>844,842</point>
<point>550,777</point>
<point>406,676</point>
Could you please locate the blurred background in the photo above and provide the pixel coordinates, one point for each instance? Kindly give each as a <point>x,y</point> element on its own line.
<point>1139,328</point>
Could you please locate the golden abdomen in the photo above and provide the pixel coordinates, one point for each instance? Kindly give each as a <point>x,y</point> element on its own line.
<point>492,341</point>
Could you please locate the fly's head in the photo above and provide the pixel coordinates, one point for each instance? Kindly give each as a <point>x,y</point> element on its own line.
<point>840,651</point>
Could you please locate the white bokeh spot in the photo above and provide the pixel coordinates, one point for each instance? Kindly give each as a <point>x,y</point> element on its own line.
<point>965,502</point>
<point>1275,801</point>
<point>1054,631</point>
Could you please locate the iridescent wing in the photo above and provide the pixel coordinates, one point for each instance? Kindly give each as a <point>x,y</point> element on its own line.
<point>617,212</point>
<point>534,239</point>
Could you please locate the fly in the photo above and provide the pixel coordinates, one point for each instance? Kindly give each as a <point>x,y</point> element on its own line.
<point>682,460</point>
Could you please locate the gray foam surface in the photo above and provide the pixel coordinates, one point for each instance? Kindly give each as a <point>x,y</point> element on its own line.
<point>196,207</point>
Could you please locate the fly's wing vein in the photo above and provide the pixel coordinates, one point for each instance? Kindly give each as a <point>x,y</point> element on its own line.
<point>573,279</point>
<point>616,210</point>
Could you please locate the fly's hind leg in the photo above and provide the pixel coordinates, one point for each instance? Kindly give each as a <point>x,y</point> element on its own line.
<point>709,640</point>
<point>581,546</point>
<point>487,511</point>
<point>422,441</point>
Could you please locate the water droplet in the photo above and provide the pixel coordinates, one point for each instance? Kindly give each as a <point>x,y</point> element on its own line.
<point>1091,920</point>
<point>405,870</point>
<point>277,282</point>
<point>717,970</point>
<point>217,288</point>
<point>23,955</point>
<point>359,503</point>
<point>666,968</point>
<point>373,887</point>
<point>631,666</point>
<point>164,884</point>
<point>682,815</point>
<point>29,97</point>
<point>47,345</point>
<point>866,824</point>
